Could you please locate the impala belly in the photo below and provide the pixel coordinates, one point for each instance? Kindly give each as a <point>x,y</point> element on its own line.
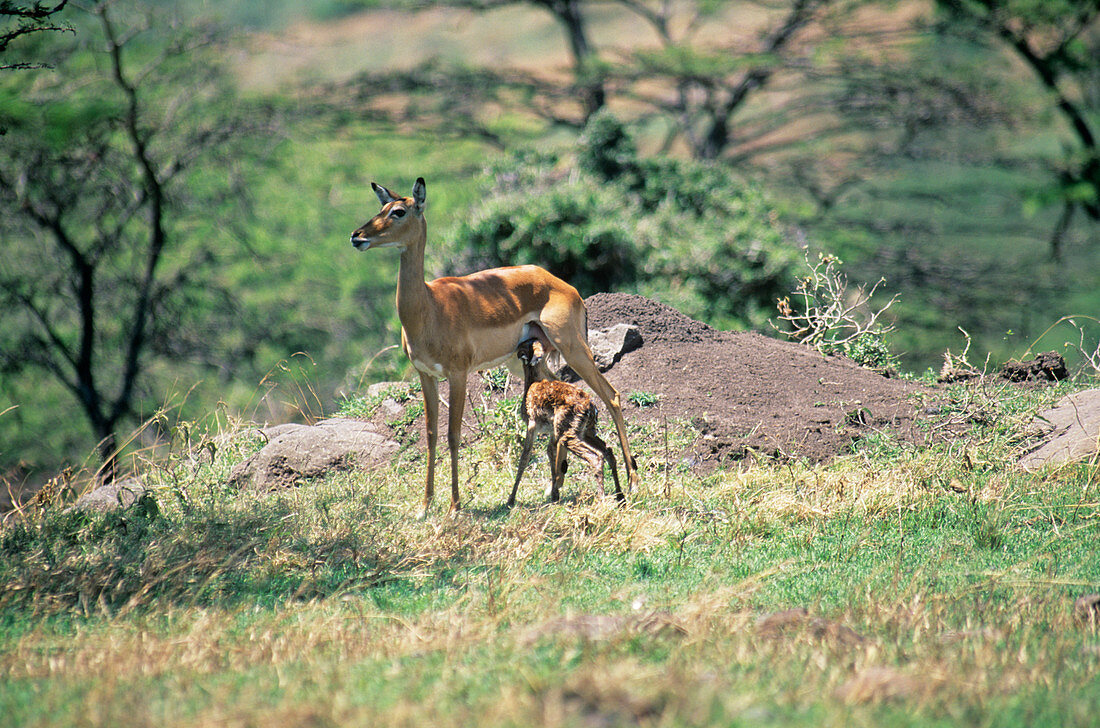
<point>421,360</point>
<point>434,370</point>
<point>509,337</point>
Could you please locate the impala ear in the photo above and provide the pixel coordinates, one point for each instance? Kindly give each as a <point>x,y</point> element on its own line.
<point>419,193</point>
<point>384,195</point>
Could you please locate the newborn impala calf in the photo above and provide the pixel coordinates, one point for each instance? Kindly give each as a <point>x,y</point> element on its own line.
<point>568,414</point>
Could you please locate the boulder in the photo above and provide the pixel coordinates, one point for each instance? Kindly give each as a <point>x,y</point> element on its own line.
<point>1070,431</point>
<point>608,345</point>
<point>116,496</point>
<point>297,452</point>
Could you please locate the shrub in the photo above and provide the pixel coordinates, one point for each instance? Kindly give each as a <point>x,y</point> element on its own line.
<point>687,233</point>
<point>576,230</point>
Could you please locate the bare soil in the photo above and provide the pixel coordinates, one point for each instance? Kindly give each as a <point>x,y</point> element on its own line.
<point>743,391</point>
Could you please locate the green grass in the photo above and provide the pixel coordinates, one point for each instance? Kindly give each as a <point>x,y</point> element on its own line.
<point>938,588</point>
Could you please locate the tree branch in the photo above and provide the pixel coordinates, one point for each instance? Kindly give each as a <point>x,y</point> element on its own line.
<point>157,237</point>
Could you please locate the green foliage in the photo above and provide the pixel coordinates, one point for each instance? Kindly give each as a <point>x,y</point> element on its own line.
<point>405,424</point>
<point>834,319</point>
<point>366,407</point>
<point>643,399</point>
<point>869,349</point>
<point>687,233</point>
<point>606,151</point>
<point>497,379</point>
<point>576,230</point>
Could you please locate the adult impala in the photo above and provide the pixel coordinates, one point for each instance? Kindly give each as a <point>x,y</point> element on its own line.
<point>452,326</point>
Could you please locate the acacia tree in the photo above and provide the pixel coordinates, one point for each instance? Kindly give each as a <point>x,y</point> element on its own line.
<point>1059,41</point>
<point>98,278</point>
<point>19,19</point>
<point>714,81</point>
<point>570,16</point>
<point>699,81</point>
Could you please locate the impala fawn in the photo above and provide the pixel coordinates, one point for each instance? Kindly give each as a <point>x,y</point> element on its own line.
<point>568,414</point>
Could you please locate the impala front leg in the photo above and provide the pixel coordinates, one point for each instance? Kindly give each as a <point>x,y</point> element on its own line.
<point>430,388</point>
<point>454,430</point>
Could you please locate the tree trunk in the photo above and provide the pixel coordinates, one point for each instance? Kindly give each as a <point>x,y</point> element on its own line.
<point>568,13</point>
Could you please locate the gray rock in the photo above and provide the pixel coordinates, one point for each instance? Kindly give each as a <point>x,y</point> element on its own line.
<point>1087,609</point>
<point>390,406</point>
<point>608,345</point>
<point>380,388</point>
<point>297,452</point>
<point>116,496</point>
<point>272,431</point>
<point>1070,429</point>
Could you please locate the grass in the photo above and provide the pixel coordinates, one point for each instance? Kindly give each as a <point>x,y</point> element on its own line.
<point>938,590</point>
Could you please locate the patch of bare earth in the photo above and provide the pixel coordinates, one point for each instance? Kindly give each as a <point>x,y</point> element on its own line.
<point>743,391</point>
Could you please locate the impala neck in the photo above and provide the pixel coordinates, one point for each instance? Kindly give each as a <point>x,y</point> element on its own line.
<point>530,376</point>
<point>412,292</point>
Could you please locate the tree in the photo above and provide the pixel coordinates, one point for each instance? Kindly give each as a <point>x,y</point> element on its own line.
<point>24,19</point>
<point>713,82</point>
<point>569,14</point>
<point>700,82</point>
<point>1059,41</point>
<point>101,174</point>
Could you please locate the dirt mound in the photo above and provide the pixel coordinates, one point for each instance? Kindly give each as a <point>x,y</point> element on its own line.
<point>658,323</point>
<point>745,391</point>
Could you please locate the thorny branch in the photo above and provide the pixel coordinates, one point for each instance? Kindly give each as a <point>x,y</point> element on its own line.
<point>826,315</point>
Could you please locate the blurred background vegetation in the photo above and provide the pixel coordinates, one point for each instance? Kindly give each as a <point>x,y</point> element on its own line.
<point>178,179</point>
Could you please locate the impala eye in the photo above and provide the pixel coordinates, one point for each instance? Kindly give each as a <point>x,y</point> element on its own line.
<point>398,212</point>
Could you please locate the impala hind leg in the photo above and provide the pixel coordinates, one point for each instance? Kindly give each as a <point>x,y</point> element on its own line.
<point>430,388</point>
<point>579,357</point>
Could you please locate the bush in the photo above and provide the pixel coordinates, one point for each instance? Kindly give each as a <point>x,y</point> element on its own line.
<point>687,233</point>
<point>578,231</point>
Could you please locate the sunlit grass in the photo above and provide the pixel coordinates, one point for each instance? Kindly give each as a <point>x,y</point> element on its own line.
<point>936,589</point>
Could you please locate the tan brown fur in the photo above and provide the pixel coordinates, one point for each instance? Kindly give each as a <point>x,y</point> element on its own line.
<point>568,415</point>
<point>453,326</point>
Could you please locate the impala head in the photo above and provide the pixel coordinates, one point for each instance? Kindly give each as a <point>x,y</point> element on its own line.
<point>530,352</point>
<point>398,223</point>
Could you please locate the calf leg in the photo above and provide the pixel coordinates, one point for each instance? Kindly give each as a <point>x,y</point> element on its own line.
<point>524,458</point>
<point>598,443</point>
<point>595,451</point>
<point>555,450</point>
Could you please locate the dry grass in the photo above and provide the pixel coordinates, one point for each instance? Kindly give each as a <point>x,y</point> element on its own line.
<point>894,584</point>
